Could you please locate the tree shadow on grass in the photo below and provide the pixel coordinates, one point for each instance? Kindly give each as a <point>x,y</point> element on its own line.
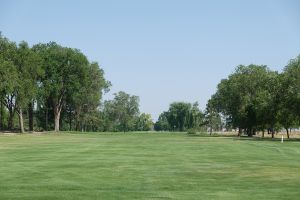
<point>246,138</point>
<point>208,135</point>
<point>266,139</point>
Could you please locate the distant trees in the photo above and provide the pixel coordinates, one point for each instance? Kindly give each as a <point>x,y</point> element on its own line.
<point>123,114</point>
<point>49,86</point>
<point>181,116</point>
<point>212,118</point>
<point>143,122</point>
<point>162,123</point>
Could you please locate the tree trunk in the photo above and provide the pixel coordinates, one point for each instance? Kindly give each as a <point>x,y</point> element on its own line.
<point>77,125</point>
<point>10,119</point>
<point>46,119</point>
<point>272,131</point>
<point>77,119</point>
<point>56,120</point>
<point>30,116</point>
<point>263,133</point>
<point>287,133</point>
<point>250,132</point>
<point>70,121</point>
<point>1,118</point>
<point>21,122</point>
<point>70,124</point>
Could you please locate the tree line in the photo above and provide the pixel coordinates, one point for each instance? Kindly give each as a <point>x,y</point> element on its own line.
<point>51,87</point>
<point>253,98</point>
<point>183,116</point>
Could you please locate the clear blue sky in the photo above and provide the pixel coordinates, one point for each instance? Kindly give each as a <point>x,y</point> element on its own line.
<point>162,50</point>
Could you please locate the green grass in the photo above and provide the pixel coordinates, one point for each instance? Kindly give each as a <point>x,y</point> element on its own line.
<point>147,166</point>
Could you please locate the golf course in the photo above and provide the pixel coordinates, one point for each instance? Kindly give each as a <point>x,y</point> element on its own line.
<point>147,166</point>
<point>149,100</point>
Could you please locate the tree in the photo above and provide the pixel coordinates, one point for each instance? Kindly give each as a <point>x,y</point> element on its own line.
<point>8,79</point>
<point>29,71</point>
<point>121,112</point>
<point>247,98</point>
<point>19,69</point>
<point>180,116</point>
<point>59,79</point>
<point>212,117</point>
<point>162,123</point>
<point>143,122</point>
<point>195,118</point>
<point>86,102</point>
<point>289,98</point>
<point>9,76</point>
<point>65,72</point>
<point>291,85</point>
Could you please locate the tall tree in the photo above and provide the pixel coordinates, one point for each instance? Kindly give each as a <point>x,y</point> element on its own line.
<point>291,85</point>
<point>65,72</point>
<point>29,70</point>
<point>247,98</point>
<point>9,77</point>
<point>87,101</point>
<point>289,95</point>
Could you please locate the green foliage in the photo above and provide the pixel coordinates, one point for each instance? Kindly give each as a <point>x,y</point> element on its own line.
<point>180,116</point>
<point>255,98</point>
<point>291,86</point>
<point>213,119</point>
<point>121,112</point>
<point>70,84</point>
<point>59,80</point>
<point>19,69</point>
<point>162,123</point>
<point>65,71</point>
<point>143,122</point>
<point>82,107</point>
<point>59,87</point>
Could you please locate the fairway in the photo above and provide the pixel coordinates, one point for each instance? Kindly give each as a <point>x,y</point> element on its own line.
<point>146,166</point>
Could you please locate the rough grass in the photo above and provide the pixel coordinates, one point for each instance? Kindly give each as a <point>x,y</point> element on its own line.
<point>147,166</point>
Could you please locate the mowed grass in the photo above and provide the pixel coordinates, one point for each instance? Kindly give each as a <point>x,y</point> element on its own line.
<point>147,166</point>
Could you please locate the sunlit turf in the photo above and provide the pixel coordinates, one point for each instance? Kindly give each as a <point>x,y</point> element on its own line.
<point>147,166</point>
